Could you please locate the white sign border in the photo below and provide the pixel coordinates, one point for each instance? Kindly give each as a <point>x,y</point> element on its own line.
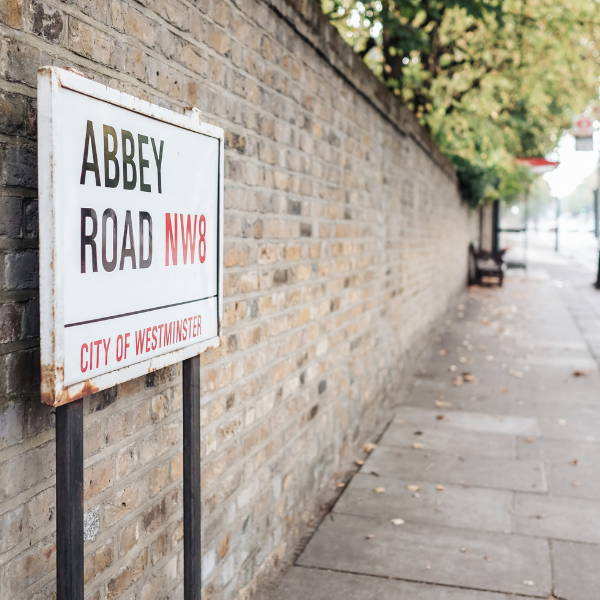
<point>53,390</point>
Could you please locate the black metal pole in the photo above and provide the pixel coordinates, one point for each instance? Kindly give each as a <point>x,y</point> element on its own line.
<point>191,478</point>
<point>69,501</point>
<point>557,219</point>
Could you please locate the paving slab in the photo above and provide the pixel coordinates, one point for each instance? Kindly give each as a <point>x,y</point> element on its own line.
<point>440,436</point>
<point>446,505</point>
<point>575,568</point>
<point>470,421</point>
<point>439,467</point>
<point>427,553</point>
<point>558,517</point>
<point>316,584</point>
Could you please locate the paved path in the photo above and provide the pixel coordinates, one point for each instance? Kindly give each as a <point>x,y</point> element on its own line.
<point>493,462</point>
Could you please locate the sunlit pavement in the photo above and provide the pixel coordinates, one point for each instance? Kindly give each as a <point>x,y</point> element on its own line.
<point>485,484</point>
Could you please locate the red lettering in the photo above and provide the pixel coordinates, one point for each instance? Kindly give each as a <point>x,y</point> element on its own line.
<point>106,346</point>
<point>168,332</point>
<point>172,238</point>
<point>202,239</point>
<point>194,325</point>
<point>154,340</point>
<point>84,369</point>
<point>120,352</point>
<point>91,354</point>
<point>178,331</point>
<point>126,345</point>
<point>188,237</point>
<point>148,339</point>
<point>199,325</point>
<point>160,327</point>
<point>185,329</point>
<point>97,344</point>
<point>139,341</point>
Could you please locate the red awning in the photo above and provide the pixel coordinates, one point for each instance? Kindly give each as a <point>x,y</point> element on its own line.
<point>539,165</point>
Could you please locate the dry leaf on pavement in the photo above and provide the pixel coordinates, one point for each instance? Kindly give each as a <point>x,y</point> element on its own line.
<point>397,521</point>
<point>443,404</point>
<point>341,485</point>
<point>581,373</point>
<point>503,390</point>
<point>371,536</point>
<point>379,490</point>
<point>413,488</point>
<point>417,445</point>
<point>528,582</point>
<point>457,380</point>
<point>573,462</point>
<point>468,377</point>
<point>360,463</point>
<point>440,488</point>
<point>369,447</point>
<point>516,374</point>
<point>562,421</point>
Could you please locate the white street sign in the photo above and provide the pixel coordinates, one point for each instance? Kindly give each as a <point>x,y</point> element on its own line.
<point>131,205</point>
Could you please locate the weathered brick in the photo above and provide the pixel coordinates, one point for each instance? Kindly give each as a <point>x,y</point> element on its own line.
<point>98,477</point>
<point>127,576</point>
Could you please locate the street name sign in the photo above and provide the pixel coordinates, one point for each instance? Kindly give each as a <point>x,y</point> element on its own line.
<point>130,210</point>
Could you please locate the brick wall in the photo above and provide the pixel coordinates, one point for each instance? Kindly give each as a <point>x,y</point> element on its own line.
<point>345,242</point>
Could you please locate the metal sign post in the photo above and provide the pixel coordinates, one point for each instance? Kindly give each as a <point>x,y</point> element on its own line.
<point>191,478</point>
<point>69,501</point>
<point>131,278</point>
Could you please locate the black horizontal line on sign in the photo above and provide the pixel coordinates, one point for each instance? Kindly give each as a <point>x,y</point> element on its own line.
<point>137,312</point>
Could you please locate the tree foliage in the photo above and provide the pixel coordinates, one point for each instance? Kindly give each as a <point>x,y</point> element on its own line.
<point>492,80</point>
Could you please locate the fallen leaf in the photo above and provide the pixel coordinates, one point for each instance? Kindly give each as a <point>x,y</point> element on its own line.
<point>371,536</point>
<point>360,463</point>
<point>369,447</point>
<point>418,433</point>
<point>443,404</point>
<point>397,521</point>
<point>428,566</point>
<point>440,417</point>
<point>341,485</point>
<point>528,582</point>
<point>463,359</point>
<point>457,381</point>
<point>379,490</point>
<point>573,462</point>
<point>529,440</point>
<point>413,488</point>
<point>452,368</point>
<point>417,445</point>
<point>487,558</point>
<point>443,352</point>
<point>463,550</point>
<point>440,488</point>
<point>516,374</point>
<point>581,373</point>
<point>399,421</point>
<point>576,484</point>
<point>562,421</point>
<point>503,390</point>
<point>468,377</point>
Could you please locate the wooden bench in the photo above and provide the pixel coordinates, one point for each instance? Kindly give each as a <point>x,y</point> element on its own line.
<point>485,264</point>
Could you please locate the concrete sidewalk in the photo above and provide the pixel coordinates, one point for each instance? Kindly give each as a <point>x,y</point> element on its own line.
<point>491,465</point>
